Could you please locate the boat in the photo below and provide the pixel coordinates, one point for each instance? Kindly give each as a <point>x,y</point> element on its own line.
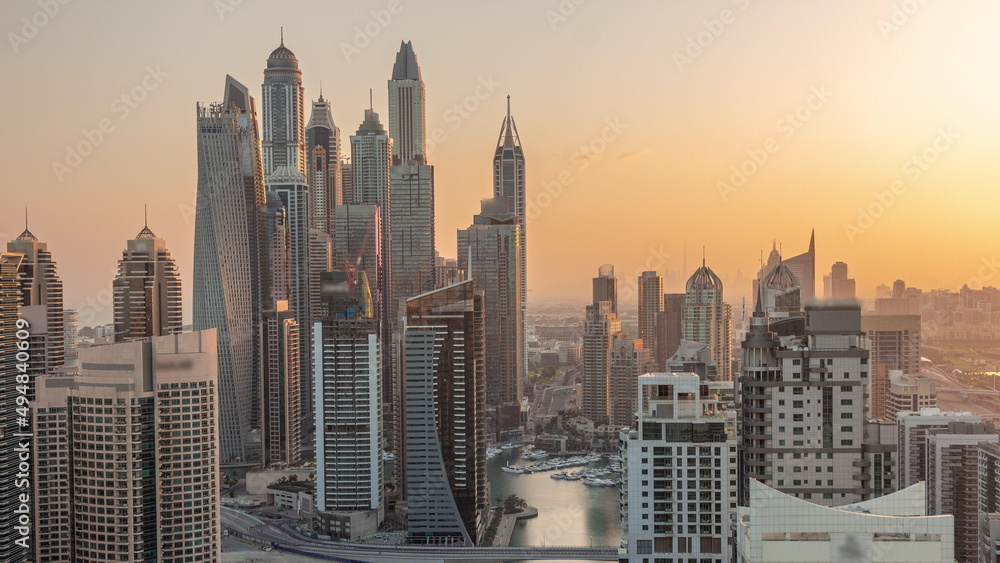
<point>513,468</point>
<point>560,475</point>
<point>536,454</point>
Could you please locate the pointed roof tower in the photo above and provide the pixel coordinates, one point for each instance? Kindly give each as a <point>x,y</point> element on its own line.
<point>406,67</point>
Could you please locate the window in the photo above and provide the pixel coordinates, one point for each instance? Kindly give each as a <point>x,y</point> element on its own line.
<point>846,402</point>
<point>796,404</point>
<point>847,429</point>
<point>797,431</point>
<point>847,442</point>
<point>797,391</point>
<point>797,417</point>
<point>846,415</point>
<point>781,416</point>
<point>845,388</point>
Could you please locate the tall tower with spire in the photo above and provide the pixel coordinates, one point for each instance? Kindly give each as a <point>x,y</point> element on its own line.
<point>147,290</point>
<point>41,301</point>
<point>708,319</point>
<point>411,207</point>
<point>804,268</point>
<point>283,143</point>
<point>509,184</point>
<point>323,168</point>
<point>228,240</point>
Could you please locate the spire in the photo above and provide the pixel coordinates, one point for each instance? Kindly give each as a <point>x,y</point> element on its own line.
<point>282,36</point>
<point>321,90</point>
<point>145,232</point>
<point>26,235</point>
<point>371,100</point>
<point>508,132</point>
<point>406,67</point>
<point>812,241</point>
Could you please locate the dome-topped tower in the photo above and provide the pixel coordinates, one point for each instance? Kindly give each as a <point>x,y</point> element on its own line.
<point>781,278</point>
<point>282,60</point>
<point>704,278</point>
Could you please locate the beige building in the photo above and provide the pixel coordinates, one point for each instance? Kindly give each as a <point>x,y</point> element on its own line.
<point>909,393</point>
<point>135,437</point>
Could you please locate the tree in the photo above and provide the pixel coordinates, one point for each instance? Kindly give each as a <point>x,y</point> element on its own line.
<point>513,504</point>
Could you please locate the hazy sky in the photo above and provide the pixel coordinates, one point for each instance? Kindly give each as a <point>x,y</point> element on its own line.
<point>632,116</point>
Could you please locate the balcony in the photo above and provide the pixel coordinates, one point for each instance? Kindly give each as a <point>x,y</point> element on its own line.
<point>861,463</point>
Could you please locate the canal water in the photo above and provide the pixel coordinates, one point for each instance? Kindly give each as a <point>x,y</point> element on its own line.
<point>569,512</point>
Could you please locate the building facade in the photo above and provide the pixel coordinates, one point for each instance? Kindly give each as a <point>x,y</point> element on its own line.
<point>228,241</point>
<point>156,400</point>
<point>41,303</point>
<point>445,416</point>
<point>280,393</point>
<point>283,142</point>
<point>147,290</point>
<point>708,319</point>
<point>679,478</point>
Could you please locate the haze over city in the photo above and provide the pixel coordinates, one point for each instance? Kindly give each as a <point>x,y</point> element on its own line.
<point>630,120</point>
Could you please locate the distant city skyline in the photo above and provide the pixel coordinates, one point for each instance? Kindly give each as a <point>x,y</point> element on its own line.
<point>891,93</point>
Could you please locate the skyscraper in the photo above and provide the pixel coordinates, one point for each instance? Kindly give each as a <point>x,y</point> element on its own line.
<point>669,328</point>
<point>283,143</point>
<point>804,268</point>
<point>629,360</point>
<point>650,291</point>
<point>445,410</point>
<point>601,328</point>
<point>914,429</point>
<point>371,158</point>
<point>227,243</point>
<point>280,393</point>
<point>606,286</point>
<point>156,497</point>
<point>407,109</point>
<point>839,286</point>
<point>10,305</point>
<point>708,319</point>
<point>349,495</point>
<point>147,290</point>
<point>291,187</point>
<point>509,184</point>
<point>488,251</point>
<point>41,303</point>
<point>323,169</point>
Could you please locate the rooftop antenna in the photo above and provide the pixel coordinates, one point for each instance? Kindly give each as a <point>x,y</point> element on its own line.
<point>282,35</point>
<point>145,215</point>
<point>26,218</point>
<point>371,103</point>
<point>508,108</point>
<point>703,257</point>
<point>320,89</point>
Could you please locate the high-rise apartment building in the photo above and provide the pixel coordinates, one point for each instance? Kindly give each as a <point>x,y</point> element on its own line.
<point>669,327</point>
<point>606,286</point>
<point>71,330</point>
<point>708,319</point>
<point>228,240</point>
<point>601,328</point>
<point>988,494</point>
<point>283,99</point>
<point>803,401</point>
<point>909,393</point>
<point>155,495</point>
<point>349,496</point>
<point>894,341</point>
<point>323,171</point>
<point>953,480</point>
<point>280,393</point>
<point>290,185</point>
<point>914,428</point>
<point>445,413</point>
<point>488,250</point>
<point>650,290</point>
<point>147,290</point>
<point>10,309</point>
<point>679,478</point>
<point>41,303</point>
<point>629,360</point>
<point>838,285</point>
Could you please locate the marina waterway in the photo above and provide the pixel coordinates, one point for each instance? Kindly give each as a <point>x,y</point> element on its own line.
<point>569,512</point>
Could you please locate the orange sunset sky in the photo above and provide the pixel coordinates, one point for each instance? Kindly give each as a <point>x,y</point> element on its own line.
<point>632,115</point>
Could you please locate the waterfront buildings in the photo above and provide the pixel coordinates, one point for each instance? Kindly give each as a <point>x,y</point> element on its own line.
<point>650,290</point>
<point>445,416</point>
<point>280,393</point>
<point>600,330</point>
<point>914,428</point>
<point>629,360</point>
<point>10,311</point>
<point>283,142</point>
<point>323,171</point>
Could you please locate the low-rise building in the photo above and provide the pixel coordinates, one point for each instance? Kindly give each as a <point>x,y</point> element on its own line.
<point>779,527</point>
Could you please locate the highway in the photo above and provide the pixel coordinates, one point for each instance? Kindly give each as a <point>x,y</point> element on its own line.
<point>238,521</point>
